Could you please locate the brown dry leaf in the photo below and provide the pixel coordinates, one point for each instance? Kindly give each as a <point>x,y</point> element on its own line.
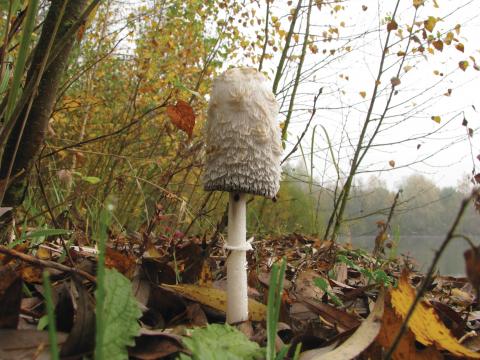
<point>392,25</point>
<point>363,94</point>
<point>31,274</point>
<point>305,286</point>
<point>395,81</point>
<point>438,44</point>
<point>343,320</point>
<point>125,264</point>
<point>392,163</point>
<point>463,65</point>
<point>26,344</point>
<point>216,298</point>
<point>206,278</point>
<point>460,47</point>
<point>472,264</point>
<point>356,343</point>
<point>182,116</point>
<point>406,349</point>
<point>10,296</point>
<point>425,323</point>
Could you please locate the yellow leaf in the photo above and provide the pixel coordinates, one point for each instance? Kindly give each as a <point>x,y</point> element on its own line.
<point>216,299</point>
<point>425,323</point>
<point>363,94</point>
<point>448,39</point>
<point>437,119</point>
<point>417,3</point>
<point>460,47</point>
<point>430,23</point>
<point>457,28</point>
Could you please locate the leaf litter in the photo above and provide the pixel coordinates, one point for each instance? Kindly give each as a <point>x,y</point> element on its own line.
<point>338,302</point>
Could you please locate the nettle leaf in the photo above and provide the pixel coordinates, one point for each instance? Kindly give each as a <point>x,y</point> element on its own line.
<point>120,315</point>
<point>221,342</point>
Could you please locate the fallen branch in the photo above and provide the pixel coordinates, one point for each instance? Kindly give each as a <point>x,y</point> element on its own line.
<point>45,263</point>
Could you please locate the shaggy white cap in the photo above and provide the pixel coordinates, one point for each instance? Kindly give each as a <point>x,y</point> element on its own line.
<point>243,137</point>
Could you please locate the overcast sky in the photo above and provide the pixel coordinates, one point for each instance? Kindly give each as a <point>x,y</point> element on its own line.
<point>417,144</point>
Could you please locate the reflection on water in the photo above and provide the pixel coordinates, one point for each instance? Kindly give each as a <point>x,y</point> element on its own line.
<point>422,249</point>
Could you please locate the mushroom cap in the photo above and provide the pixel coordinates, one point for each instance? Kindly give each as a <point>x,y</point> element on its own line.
<point>243,138</point>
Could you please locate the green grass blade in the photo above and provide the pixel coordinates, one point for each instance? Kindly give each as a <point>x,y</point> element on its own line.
<point>275,290</point>
<point>52,331</point>
<point>100,293</point>
<point>25,42</point>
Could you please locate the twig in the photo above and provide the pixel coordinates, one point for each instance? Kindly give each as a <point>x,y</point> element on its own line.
<point>45,263</point>
<point>428,277</point>
<point>314,110</point>
<point>378,240</point>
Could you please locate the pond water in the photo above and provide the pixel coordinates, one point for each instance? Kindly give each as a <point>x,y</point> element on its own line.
<point>422,249</point>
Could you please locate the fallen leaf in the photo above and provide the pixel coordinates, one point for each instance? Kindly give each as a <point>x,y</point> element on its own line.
<point>10,297</point>
<point>472,264</point>
<point>216,299</point>
<point>340,318</point>
<point>425,323</point>
<point>125,264</point>
<point>182,116</point>
<point>406,348</point>
<point>26,344</point>
<point>356,343</point>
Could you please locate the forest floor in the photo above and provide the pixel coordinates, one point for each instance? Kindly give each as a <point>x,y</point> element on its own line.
<point>338,302</point>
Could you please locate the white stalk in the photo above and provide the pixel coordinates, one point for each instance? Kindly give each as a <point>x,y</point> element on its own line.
<point>237,290</point>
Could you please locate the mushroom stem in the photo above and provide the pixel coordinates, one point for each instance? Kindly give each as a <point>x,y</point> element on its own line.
<point>237,291</point>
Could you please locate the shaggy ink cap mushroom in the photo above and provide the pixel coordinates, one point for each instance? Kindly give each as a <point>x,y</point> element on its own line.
<point>243,138</point>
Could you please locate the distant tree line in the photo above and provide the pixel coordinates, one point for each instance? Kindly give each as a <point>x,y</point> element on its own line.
<point>423,207</point>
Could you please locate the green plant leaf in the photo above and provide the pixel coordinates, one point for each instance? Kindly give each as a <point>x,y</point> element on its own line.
<point>221,342</point>
<point>44,233</point>
<point>120,314</point>
<point>91,179</point>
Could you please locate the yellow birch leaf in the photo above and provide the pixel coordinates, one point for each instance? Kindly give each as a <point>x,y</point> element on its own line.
<point>216,298</point>
<point>425,324</point>
<point>363,94</point>
<point>437,119</point>
<point>430,23</point>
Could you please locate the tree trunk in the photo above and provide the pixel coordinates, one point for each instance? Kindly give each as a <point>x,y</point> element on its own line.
<point>42,106</point>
